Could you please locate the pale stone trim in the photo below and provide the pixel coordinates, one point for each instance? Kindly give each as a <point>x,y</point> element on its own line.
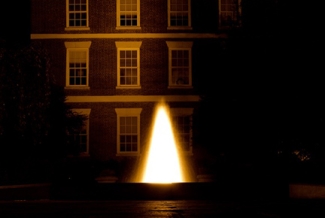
<point>128,28</point>
<point>128,36</point>
<point>179,28</point>
<point>127,44</point>
<point>133,98</point>
<point>128,87</point>
<point>179,87</point>
<point>128,111</point>
<point>76,28</point>
<point>85,44</point>
<point>176,44</point>
<point>77,87</point>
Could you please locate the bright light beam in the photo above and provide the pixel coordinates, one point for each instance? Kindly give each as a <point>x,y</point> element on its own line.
<point>163,165</point>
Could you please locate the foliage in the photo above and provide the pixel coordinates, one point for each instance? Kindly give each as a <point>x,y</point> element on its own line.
<point>34,120</point>
<point>266,102</point>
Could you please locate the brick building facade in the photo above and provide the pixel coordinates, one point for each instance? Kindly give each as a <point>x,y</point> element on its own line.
<point>118,58</point>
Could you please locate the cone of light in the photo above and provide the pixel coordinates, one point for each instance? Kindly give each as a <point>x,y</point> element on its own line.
<point>163,164</point>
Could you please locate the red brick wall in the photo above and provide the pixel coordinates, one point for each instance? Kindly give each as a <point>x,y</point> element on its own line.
<point>153,66</point>
<point>49,16</point>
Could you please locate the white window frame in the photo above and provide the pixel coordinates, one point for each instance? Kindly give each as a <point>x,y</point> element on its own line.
<point>85,112</point>
<point>127,112</point>
<point>184,112</point>
<point>118,16</point>
<point>77,46</point>
<point>238,18</point>
<point>189,25</point>
<point>180,46</point>
<point>128,46</point>
<point>68,27</point>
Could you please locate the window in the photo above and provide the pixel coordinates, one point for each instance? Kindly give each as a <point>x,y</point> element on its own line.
<point>80,138</point>
<point>128,131</point>
<point>77,64</point>
<point>128,64</point>
<point>229,13</point>
<point>182,122</point>
<point>179,14</point>
<point>180,64</point>
<point>77,14</point>
<point>128,14</point>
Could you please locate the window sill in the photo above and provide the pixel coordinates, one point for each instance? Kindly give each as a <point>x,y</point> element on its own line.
<point>179,28</point>
<point>128,28</point>
<point>180,87</point>
<point>76,28</point>
<point>77,87</point>
<point>128,87</point>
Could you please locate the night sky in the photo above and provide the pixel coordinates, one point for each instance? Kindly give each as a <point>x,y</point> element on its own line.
<point>14,20</point>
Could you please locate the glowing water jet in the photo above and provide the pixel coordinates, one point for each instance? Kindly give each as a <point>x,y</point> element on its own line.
<point>163,163</point>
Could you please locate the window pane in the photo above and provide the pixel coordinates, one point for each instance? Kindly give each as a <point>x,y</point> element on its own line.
<point>122,72</point>
<point>134,62</point>
<point>128,54</point>
<point>122,62</point>
<point>128,129</point>
<point>128,62</point>
<point>127,120</point>
<point>78,67</point>
<point>122,54</point>
<point>182,125</point>
<point>179,13</point>
<point>77,13</point>
<point>134,73</point>
<point>128,67</point>
<point>134,81</point>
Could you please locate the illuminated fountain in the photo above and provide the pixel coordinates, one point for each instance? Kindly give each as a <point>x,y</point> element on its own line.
<point>163,164</point>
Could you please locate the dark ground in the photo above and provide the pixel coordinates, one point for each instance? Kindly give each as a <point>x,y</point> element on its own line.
<point>154,200</point>
<point>158,208</point>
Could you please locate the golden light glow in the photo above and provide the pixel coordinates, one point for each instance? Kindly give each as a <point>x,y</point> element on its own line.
<point>163,164</point>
